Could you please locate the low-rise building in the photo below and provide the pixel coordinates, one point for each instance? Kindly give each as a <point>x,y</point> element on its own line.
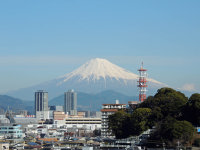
<point>59,117</point>
<point>88,123</point>
<point>11,131</point>
<point>24,120</point>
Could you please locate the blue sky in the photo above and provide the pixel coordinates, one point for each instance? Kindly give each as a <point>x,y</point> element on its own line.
<point>41,40</point>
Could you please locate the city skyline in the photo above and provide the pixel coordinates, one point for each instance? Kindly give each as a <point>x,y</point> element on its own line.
<point>40,41</point>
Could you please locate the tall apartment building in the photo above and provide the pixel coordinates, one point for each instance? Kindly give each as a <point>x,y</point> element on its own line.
<point>109,109</point>
<point>70,102</point>
<point>41,105</point>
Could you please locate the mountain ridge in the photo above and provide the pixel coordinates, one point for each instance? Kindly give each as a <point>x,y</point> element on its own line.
<point>92,102</point>
<point>92,77</point>
<point>12,103</point>
<point>95,101</point>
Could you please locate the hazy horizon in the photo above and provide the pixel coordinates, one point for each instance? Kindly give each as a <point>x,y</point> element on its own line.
<point>42,40</point>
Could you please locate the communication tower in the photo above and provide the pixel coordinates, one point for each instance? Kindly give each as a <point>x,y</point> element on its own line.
<point>142,83</point>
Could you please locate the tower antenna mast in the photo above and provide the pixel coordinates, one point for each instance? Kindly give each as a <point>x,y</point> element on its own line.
<point>142,83</point>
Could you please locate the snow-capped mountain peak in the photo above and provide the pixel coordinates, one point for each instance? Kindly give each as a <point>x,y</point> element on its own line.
<point>100,68</point>
<point>94,76</point>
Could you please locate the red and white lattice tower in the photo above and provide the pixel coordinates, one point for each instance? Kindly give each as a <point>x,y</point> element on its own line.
<point>142,83</point>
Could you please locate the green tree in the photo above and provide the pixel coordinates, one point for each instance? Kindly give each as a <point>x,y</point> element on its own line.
<point>124,125</point>
<point>119,124</point>
<point>139,120</point>
<point>192,110</point>
<point>164,110</point>
<point>172,131</point>
<point>168,100</point>
<point>155,117</point>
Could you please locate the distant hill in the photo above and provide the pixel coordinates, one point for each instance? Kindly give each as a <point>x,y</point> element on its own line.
<point>11,103</point>
<point>95,101</point>
<point>14,104</point>
<point>85,101</point>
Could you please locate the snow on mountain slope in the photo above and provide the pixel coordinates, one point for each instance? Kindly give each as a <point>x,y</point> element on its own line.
<point>98,68</point>
<point>92,77</point>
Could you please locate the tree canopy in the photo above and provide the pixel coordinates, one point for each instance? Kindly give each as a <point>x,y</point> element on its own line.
<point>124,125</point>
<point>191,110</point>
<point>139,120</point>
<point>168,100</point>
<point>169,111</point>
<point>171,131</point>
<point>119,124</point>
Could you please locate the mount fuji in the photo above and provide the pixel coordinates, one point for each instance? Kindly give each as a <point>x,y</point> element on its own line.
<point>94,76</point>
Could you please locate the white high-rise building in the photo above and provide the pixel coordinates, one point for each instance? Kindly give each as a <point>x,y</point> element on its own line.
<point>41,105</point>
<point>109,109</point>
<point>70,102</point>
